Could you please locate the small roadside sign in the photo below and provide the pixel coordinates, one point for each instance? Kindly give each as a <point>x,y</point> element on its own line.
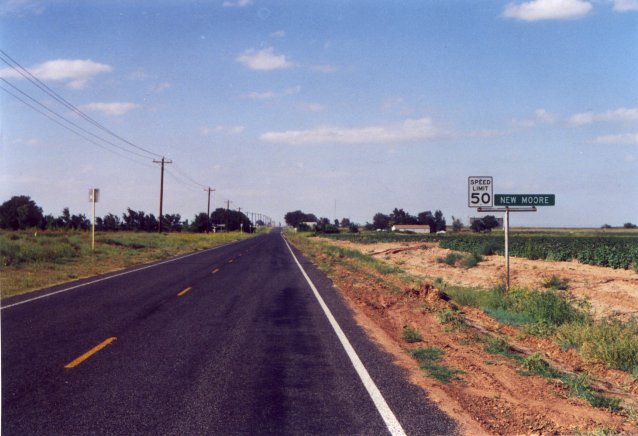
<point>94,195</point>
<point>480,191</point>
<point>525,200</point>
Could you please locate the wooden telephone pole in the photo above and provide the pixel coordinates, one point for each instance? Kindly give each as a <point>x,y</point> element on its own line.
<point>162,162</point>
<point>208,214</point>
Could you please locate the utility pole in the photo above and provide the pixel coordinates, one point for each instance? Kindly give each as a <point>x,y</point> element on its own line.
<point>162,162</point>
<point>227,212</point>
<point>208,214</point>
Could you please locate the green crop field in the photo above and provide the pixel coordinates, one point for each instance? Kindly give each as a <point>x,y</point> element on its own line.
<point>618,249</point>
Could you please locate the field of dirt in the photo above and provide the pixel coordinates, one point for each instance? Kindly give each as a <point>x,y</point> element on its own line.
<point>609,291</point>
<point>491,394</point>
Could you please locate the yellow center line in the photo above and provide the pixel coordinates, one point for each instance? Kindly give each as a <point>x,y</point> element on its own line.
<point>216,270</point>
<point>184,291</point>
<point>89,353</point>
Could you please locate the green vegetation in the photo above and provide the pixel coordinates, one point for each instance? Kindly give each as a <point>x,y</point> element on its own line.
<point>32,260</point>
<point>617,250</point>
<point>379,266</point>
<point>612,342</point>
<point>450,259</point>
<point>453,318</point>
<point>500,346</point>
<point>411,335</point>
<point>556,283</point>
<point>519,306</point>
<point>429,359</point>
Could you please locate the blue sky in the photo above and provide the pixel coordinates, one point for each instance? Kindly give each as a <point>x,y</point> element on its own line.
<point>300,105</point>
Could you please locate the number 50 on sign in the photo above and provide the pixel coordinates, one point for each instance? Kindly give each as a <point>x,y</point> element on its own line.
<point>480,191</point>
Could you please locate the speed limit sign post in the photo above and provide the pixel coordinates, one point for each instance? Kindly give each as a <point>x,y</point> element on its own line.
<point>480,191</point>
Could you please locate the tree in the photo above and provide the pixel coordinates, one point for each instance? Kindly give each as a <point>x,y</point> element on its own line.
<point>399,216</point>
<point>324,226</point>
<point>200,223</point>
<point>439,221</point>
<point>629,226</point>
<point>485,224</point>
<point>427,219</point>
<point>381,221</point>
<point>111,222</point>
<point>20,212</point>
<point>457,224</point>
<point>297,217</point>
<point>345,223</point>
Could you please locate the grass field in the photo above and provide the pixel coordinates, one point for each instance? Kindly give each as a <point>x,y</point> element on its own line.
<point>35,260</point>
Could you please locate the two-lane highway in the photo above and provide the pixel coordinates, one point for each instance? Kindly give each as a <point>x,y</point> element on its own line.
<point>232,340</point>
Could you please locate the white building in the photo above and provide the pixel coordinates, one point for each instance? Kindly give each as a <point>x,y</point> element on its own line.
<point>416,228</point>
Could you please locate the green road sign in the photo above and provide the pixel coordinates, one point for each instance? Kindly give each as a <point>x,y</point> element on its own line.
<point>524,200</point>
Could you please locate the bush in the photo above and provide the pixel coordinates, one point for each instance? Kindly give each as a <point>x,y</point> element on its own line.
<point>471,260</point>
<point>556,283</point>
<point>611,342</point>
<point>411,335</point>
<point>451,259</point>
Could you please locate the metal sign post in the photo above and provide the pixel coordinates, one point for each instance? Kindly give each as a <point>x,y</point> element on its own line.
<point>93,198</point>
<point>506,224</point>
<point>480,194</point>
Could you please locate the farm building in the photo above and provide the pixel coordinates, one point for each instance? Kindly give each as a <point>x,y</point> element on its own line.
<point>416,228</point>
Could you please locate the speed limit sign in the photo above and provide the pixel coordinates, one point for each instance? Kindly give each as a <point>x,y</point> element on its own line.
<point>480,191</point>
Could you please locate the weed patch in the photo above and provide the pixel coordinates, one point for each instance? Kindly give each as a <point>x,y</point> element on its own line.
<point>556,283</point>
<point>452,318</point>
<point>411,335</point>
<point>611,342</point>
<point>429,359</point>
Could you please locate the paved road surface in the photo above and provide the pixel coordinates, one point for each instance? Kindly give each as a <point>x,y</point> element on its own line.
<point>227,341</point>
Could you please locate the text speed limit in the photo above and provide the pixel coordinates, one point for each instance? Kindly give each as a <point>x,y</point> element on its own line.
<point>480,191</point>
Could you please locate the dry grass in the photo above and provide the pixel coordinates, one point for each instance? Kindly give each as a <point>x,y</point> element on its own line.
<point>31,261</point>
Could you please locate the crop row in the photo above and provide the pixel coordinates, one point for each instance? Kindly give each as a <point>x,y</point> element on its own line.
<point>614,252</point>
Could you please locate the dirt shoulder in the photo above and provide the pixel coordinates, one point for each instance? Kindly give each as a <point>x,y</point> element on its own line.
<point>487,393</point>
<point>610,291</point>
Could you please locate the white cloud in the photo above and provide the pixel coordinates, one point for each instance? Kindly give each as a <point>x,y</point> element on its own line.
<point>223,130</point>
<point>625,5</point>
<point>264,60</point>
<point>272,94</point>
<point>76,73</point>
<point>617,115</point>
<point>111,109</point>
<point>313,107</point>
<point>278,34</point>
<point>624,138</point>
<point>541,116</point>
<point>547,10</point>
<point>21,8</point>
<point>161,87</point>
<point>408,131</point>
<point>237,3</point>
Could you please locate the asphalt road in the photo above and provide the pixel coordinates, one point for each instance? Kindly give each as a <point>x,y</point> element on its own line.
<point>231,340</point>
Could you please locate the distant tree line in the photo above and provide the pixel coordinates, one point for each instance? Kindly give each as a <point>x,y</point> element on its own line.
<point>21,212</point>
<point>309,221</point>
<point>381,221</point>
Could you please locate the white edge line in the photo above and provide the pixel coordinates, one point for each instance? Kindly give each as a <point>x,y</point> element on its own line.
<point>113,276</point>
<point>391,421</point>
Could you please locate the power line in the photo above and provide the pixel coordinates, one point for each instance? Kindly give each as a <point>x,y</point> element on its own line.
<point>186,176</point>
<point>66,119</point>
<point>70,129</point>
<point>12,63</point>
